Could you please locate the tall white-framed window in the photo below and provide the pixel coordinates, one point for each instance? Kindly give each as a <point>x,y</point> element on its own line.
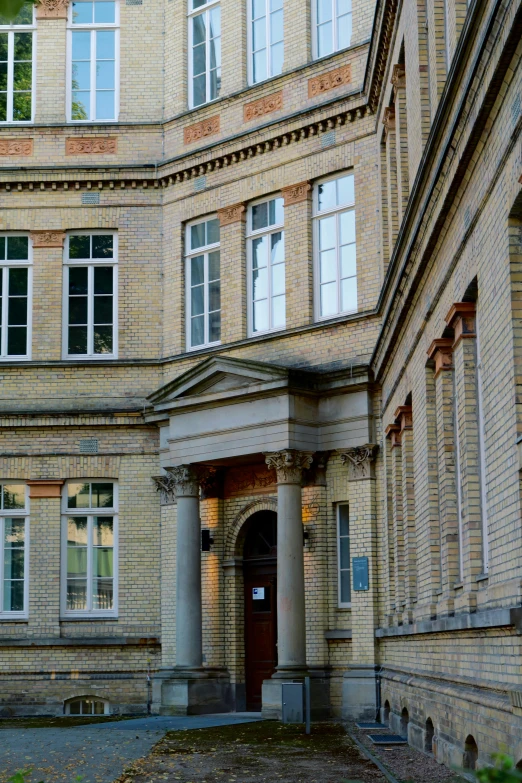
<point>15,296</point>
<point>14,557</point>
<point>266,266</point>
<point>265,39</point>
<point>334,247</point>
<point>482,454</point>
<point>203,283</point>
<point>93,62</point>
<point>343,555</point>
<point>204,20</point>
<point>458,476</point>
<point>90,304</point>
<point>332,20</point>
<point>17,72</point>
<point>89,548</point>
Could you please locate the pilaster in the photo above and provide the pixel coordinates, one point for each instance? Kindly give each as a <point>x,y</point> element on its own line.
<point>403,415</point>
<point>233,271</point>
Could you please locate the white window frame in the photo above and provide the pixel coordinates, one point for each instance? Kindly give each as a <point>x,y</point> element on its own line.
<point>4,267</point>
<point>11,29</point>
<point>90,263</point>
<point>20,514</point>
<point>482,454</point>
<point>189,254</point>
<point>335,33</point>
<point>89,513</point>
<point>204,9</point>
<point>251,235</point>
<point>458,475</point>
<point>87,697</point>
<point>316,217</point>
<point>250,44</point>
<point>93,27</point>
<point>341,604</point>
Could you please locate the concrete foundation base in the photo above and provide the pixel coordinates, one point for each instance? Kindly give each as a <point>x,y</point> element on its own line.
<point>191,693</point>
<point>359,700</point>
<point>272,696</point>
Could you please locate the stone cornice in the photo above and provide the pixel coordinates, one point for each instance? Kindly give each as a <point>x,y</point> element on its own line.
<point>441,352</point>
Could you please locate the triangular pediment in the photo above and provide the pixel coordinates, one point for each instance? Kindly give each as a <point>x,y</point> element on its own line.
<point>220,376</point>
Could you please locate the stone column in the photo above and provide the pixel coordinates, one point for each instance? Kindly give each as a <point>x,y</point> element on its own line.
<point>359,700</point>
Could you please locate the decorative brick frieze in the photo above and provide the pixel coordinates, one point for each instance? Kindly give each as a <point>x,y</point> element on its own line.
<point>329,81</point>
<point>266,105</point>
<point>232,214</point>
<point>52,9</point>
<point>47,238</point>
<point>83,145</point>
<point>293,194</point>
<point>201,130</point>
<point>21,147</point>
<point>461,318</point>
<point>441,352</point>
<point>45,488</point>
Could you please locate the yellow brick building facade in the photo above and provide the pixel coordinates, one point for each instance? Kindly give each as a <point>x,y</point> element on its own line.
<point>259,348</point>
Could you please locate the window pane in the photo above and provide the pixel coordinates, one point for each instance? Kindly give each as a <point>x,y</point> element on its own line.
<point>213,265</point>
<point>277,254</point>
<point>105,75</point>
<point>327,233</point>
<point>105,105</point>
<point>102,529</point>
<point>328,299</point>
<point>102,594</point>
<point>103,279</point>
<point>212,231</point>
<point>324,11</point>
<point>3,74</point>
<point>344,31</point>
<point>13,496</point>
<point>277,59</point>
<point>105,45</point>
<point>215,22</point>
<point>102,495</point>
<point>349,294</point>
<point>77,340</point>
<point>80,247</point>
<point>13,596</point>
<point>23,46</point>
<point>278,279</point>
<point>278,311</point>
<point>260,283</point>
<point>18,282</point>
<point>199,61</point>
<point>76,594</point>
<point>74,708</point>
<point>260,316</point>
<point>214,296</point>
<point>17,341</point>
<point>81,46</point>
<point>80,107</point>
<point>275,211</point>
<point>102,339</point>
<point>259,67</point>
<point>259,252</point>
<point>200,90</point>
<point>3,104</point>
<point>197,270</point>
<point>76,561</point>
<point>81,74</point>
<point>17,248</point>
<point>197,300</point>
<point>328,263</point>
<point>14,532</point>
<point>260,216</point>
<point>259,34</point>
<point>78,280</point>
<point>214,327</point>
<point>198,29</point>
<point>78,310</point>
<point>105,12</point>
<point>24,16</point>
<point>197,236</point>
<point>344,520</point>
<point>345,587</point>
<point>325,39</point>
<point>327,195</point>
<point>103,309</point>
<point>99,708</point>
<point>22,102</point>
<point>348,261</point>
<point>82,13</point>
<point>17,311</point>
<point>102,246</point>
<point>347,221</point>
<point>258,8</point>
<point>276,27</point>
<point>102,562</point>
<point>197,331</point>
<point>14,563</point>
<point>344,551</point>
<point>3,242</point>
<point>78,495</point>
<point>22,76</point>
<point>345,190</point>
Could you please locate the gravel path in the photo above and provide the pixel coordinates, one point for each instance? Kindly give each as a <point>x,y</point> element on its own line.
<point>98,752</point>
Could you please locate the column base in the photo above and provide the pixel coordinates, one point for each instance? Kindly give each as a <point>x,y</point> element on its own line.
<point>191,692</point>
<point>359,700</point>
<point>272,693</point>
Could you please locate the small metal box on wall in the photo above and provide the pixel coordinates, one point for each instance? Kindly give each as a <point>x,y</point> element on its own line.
<point>293,702</point>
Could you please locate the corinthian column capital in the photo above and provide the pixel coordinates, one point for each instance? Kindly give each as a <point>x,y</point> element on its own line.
<point>289,465</point>
<point>360,461</point>
<point>185,480</point>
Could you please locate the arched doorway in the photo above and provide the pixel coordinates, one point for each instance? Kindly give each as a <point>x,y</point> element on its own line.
<point>260,575</point>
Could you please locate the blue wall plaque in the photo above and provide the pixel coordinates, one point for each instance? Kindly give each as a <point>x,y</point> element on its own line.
<point>360,573</point>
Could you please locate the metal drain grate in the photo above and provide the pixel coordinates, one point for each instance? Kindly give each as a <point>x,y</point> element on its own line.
<point>90,198</point>
<point>89,446</point>
<point>327,139</point>
<point>387,739</point>
<point>200,183</point>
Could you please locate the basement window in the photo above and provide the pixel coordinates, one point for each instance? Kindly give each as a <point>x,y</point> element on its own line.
<point>87,706</point>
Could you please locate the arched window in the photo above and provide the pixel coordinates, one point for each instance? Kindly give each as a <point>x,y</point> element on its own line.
<point>86,705</point>
<point>470,753</point>
<point>405,719</point>
<point>428,736</point>
<point>387,711</point>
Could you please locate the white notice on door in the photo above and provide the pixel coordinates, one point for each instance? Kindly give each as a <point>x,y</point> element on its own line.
<point>258,593</point>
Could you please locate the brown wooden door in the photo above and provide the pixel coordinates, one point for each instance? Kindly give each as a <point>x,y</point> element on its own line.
<point>260,629</point>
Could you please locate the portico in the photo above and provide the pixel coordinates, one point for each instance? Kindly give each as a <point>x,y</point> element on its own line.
<point>228,418</point>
